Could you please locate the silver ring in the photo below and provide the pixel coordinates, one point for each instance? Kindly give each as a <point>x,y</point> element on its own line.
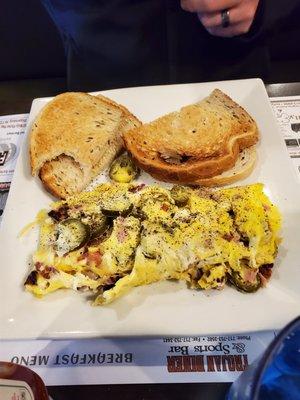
<point>225,18</point>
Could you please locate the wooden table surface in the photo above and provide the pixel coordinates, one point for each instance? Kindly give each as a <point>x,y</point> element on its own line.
<point>16,97</point>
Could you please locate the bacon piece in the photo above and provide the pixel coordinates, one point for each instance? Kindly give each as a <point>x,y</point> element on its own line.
<point>165,206</point>
<point>91,258</point>
<point>137,188</point>
<point>46,271</point>
<point>249,275</point>
<point>95,257</point>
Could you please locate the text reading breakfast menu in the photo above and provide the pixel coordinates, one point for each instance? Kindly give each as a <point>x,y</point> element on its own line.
<point>219,358</point>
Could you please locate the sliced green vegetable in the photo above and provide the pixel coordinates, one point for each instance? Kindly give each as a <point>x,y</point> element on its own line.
<point>121,209</point>
<point>123,169</point>
<point>244,285</point>
<point>97,223</point>
<point>71,235</point>
<point>180,194</point>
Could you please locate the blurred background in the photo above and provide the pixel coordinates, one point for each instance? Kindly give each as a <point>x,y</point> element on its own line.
<point>33,55</point>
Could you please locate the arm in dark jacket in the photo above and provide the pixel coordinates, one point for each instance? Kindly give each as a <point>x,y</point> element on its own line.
<point>273,16</point>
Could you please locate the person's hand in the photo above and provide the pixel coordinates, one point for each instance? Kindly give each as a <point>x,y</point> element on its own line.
<point>240,13</point>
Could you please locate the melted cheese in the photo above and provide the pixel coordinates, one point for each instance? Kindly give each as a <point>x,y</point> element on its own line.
<point>201,243</point>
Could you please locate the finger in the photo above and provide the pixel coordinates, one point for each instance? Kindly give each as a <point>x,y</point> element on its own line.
<point>213,20</point>
<point>232,30</point>
<point>208,6</point>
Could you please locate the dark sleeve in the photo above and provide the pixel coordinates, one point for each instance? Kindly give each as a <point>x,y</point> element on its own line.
<point>273,16</point>
<point>279,14</point>
<point>112,43</point>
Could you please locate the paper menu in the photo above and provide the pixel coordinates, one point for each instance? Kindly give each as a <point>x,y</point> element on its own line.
<point>287,113</point>
<point>218,358</point>
<point>12,129</point>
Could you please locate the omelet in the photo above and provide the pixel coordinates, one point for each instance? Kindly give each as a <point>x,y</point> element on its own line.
<point>121,235</point>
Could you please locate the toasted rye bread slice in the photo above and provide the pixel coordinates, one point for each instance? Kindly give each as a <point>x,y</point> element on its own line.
<point>201,140</point>
<point>74,138</point>
<point>242,169</point>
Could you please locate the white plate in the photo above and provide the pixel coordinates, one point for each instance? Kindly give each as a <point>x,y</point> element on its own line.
<point>166,308</point>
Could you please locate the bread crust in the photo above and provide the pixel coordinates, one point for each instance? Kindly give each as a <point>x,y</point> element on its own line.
<point>208,136</point>
<point>241,170</point>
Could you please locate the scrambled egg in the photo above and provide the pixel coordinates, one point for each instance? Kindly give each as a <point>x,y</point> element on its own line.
<point>123,235</point>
